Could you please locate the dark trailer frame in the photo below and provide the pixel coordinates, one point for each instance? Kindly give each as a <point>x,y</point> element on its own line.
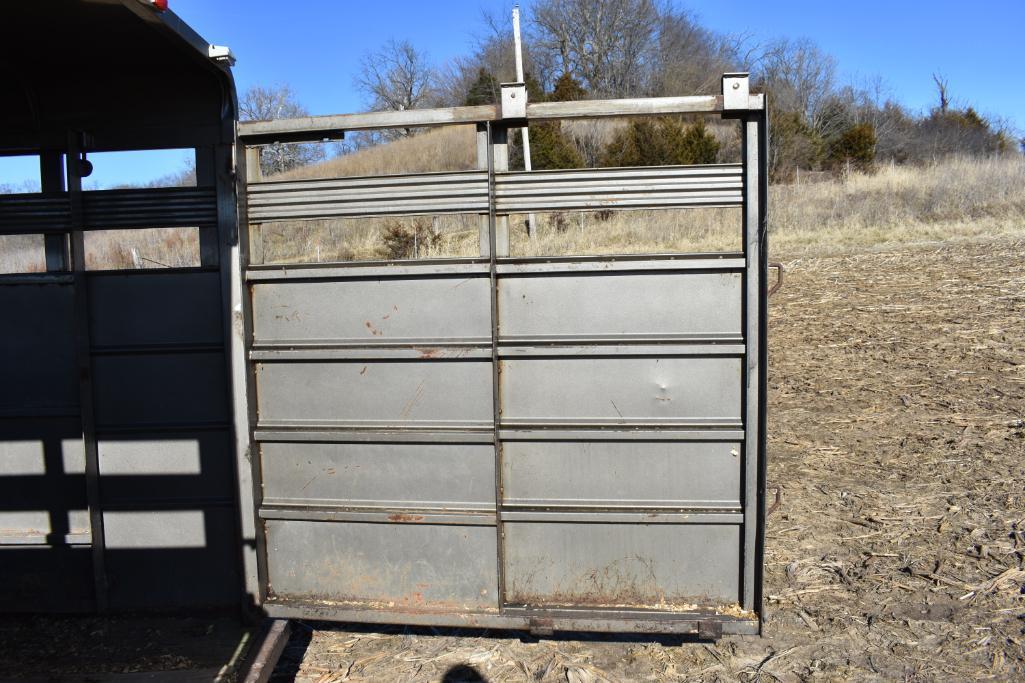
<point>118,475</point>
<point>474,441</point>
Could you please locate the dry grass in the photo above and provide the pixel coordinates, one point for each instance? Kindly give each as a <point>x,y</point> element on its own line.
<point>901,204</point>
<point>956,198</point>
<point>452,148</point>
<point>22,254</point>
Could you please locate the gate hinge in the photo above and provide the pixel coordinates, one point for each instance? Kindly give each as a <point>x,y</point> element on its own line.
<point>541,627</point>
<point>709,629</point>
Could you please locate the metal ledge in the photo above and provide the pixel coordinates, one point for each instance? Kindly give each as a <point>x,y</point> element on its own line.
<point>520,618</point>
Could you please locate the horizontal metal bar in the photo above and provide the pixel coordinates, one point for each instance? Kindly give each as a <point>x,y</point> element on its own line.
<point>314,128</point>
<point>376,505</point>
<point>652,422</point>
<point>507,433</point>
<point>268,191</point>
<point>626,621</point>
<point>620,505</point>
<point>398,516</point>
<point>330,434</point>
<point>37,279</point>
<point>618,264</point>
<point>159,427</point>
<point>281,352</point>
<point>617,517</point>
<point>367,269</point>
<point>29,412</point>
<point>9,538</point>
<point>612,339</point>
<point>144,349</point>
<point>640,106</point>
<point>620,349</point>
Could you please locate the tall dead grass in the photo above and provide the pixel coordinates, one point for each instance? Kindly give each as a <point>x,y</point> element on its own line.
<point>951,199</point>
<point>956,198</point>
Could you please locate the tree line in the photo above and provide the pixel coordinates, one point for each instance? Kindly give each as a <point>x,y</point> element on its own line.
<point>580,49</point>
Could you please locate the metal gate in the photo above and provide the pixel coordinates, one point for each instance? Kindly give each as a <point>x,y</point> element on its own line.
<point>542,443</point>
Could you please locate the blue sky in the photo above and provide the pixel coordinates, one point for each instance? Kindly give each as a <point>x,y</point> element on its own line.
<point>315,46</point>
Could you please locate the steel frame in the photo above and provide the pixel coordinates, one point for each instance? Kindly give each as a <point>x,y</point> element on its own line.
<point>741,185</point>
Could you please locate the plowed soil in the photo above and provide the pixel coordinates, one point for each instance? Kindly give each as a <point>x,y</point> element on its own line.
<point>897,433</point>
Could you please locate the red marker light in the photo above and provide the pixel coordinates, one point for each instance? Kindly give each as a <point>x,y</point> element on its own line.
<point>159,5</point>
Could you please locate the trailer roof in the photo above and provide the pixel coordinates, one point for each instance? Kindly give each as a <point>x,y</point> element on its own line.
<point>127,75</point>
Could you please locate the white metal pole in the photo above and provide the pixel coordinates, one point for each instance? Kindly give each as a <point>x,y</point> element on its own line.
<point>524,133</point>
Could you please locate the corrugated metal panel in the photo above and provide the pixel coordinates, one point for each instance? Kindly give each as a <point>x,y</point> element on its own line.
<point>619,188</point>
<point>428,193</point>
<point>102,209</point>
<point>26,213</point>
<point>151,208</point>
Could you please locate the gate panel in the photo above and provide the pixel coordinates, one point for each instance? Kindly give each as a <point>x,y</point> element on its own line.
<point>644,566</point>
<point>367,393</point>
<point>364,311</point>
<point>412,565</point>
<point>614,474</point>
<point>616,391</point>
<point>380,475</point>
<point>695,305</point>
<point>498,441</point>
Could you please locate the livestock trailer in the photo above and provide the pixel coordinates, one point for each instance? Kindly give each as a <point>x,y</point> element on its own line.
<point>118,476</point>
<point>493,439</point>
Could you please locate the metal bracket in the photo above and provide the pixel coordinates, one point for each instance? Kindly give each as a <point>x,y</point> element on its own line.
<point>514,101</point>
<point>541,626</point>
<point>736,90</point>
<point>710,629</point>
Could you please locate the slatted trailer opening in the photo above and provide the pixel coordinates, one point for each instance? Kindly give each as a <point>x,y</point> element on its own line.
<point>118,478</point>
<point>566,442</point>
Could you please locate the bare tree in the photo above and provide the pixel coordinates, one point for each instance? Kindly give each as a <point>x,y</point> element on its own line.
<point>261,103</point>
<point>396,77</point>
<point>689,57</point>
<point>943,87</point>
<point>799,77</point>
<point>606,44</point>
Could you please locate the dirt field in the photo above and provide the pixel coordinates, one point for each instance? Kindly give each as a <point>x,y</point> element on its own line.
<point>897,431</point>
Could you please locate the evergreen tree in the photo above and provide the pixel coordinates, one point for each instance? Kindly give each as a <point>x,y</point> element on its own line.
<point>484,90</point>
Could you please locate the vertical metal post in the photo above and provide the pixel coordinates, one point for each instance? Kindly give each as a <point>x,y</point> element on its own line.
<point>206,176</point>
<point>51,180</point>
<point>254,238</point>
<point>496,368</point>
<point>249,251</point>
<point>232,241</point>
<point>754,232</point>
<point>525,131</point>
<point>85,381</point>
<point>499,163</point>
<point>483,156</point>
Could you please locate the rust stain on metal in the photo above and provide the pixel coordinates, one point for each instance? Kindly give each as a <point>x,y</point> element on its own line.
<point>429,353</point>
<point>401,517</point>
<point>373,330</point>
